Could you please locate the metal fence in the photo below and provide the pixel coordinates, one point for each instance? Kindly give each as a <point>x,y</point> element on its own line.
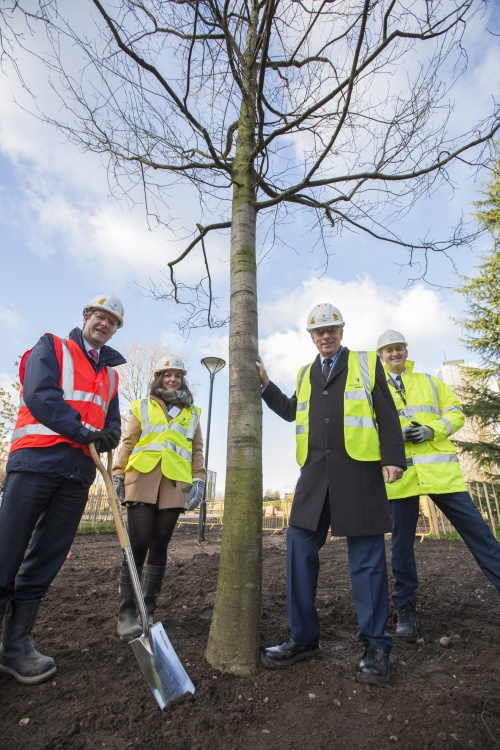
<point>97,513</point>
<point>275,514</point>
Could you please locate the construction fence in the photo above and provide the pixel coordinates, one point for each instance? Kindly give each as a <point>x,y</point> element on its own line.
<point>275,514</point>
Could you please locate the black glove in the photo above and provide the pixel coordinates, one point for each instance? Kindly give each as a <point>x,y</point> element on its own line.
<point>408,433</point>
<point>105,440</point>
<point>418,433</point>
<point>118,481</point>
<point>195,494</point>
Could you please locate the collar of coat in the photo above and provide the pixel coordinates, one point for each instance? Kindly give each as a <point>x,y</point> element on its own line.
<point>107,355</point>
<point>410,364</point>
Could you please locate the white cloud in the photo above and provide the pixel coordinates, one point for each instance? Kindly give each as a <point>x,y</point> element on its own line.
<point>11,322</point>
<point>368,309</point>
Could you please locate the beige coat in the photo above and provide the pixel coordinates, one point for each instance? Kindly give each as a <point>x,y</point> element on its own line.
<point>147,488</point>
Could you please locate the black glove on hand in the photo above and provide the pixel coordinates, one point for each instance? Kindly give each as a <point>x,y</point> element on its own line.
<point>408,433</point>
<point>419,433</point>
<point>118,481</point>
<point>104,440</point>
<point>195,494</point>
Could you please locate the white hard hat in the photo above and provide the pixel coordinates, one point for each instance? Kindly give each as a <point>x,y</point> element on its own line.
<point>170,362</point>
<point>390,337</point>
<point>324,314</point>
<point>109,303</point>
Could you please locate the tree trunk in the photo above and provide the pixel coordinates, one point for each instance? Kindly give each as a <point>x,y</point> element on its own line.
<point>233,643</point>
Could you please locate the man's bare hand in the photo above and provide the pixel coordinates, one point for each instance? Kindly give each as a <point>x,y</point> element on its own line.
<point>264,378</point>
<point>391,473</point>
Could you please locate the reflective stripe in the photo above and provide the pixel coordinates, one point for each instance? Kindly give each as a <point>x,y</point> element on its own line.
<point>40,429</point>
<point>148,447</point>
<point>416,409</point>
<point>174,427</point>
<point>301,377</point>
<point>68,382</point>
<point>409,461</point>
<point>112,382</point>
<point>359,422</point>
<point>85,396</point>
<point>355,395</point>
<point>453,408</point>
<point>32,429</point>
<point>194,425</point>
<point>300,429</point>
<point>177,449</point>
<point>148,429</point>
<point>67,372</point>
<point>365,374</point>
<point>434,392</point>
<point>302,405</point>
<point>436,458</point>
<point>447,424</point>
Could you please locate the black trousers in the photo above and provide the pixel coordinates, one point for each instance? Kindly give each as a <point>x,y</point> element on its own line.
<point>39,517</point>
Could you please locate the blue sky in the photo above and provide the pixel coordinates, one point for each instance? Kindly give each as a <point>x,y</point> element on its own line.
<point>63,239</point>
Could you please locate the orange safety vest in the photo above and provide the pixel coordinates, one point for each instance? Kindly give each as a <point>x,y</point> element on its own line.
<point>86,391</point>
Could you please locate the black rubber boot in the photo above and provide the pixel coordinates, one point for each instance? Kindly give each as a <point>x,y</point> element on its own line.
<point>151,587</point>
<point>128,627</point>
<point>18,655</point>
<point>408,623</point>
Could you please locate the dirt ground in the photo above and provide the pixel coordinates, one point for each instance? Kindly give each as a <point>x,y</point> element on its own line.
<point>439,697</point>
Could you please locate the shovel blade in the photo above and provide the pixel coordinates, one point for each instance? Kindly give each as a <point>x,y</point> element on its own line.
<point>161,666</point>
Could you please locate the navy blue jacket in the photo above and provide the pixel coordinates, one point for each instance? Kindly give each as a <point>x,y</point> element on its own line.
<point>44,399</point>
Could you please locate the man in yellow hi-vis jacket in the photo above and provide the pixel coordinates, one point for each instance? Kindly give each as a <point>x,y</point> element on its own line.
<point>348,444</point>
<point>429,412</point>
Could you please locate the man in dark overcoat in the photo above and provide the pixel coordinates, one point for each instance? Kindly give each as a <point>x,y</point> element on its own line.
<point>349,443</point>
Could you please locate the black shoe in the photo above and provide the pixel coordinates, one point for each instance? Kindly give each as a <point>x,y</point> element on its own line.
<point>374,667</point>
<point>408,623</point>
<point>288,652</point>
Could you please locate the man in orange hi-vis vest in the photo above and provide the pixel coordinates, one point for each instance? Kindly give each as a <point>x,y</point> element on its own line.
<point>68,399</point>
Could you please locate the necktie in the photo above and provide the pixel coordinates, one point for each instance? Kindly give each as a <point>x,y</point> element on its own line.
<point>399,383</point>
<point>94,354</point>
<point>327,363</point>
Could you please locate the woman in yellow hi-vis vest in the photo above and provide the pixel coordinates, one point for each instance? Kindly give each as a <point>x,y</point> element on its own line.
<point>159,473</point>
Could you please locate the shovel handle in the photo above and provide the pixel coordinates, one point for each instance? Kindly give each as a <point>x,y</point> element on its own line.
<point>112,496</point>
<point>121,530</point>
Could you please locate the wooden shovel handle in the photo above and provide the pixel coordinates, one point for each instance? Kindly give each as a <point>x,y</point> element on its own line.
<point>112,496</point>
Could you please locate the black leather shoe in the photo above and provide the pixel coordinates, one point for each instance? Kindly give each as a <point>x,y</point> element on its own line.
<point>374,667</point>
<point>288,652</point>
<point>408,623</point>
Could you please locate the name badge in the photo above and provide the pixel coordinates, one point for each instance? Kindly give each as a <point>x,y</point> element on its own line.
<point>407,413</point>
<point>174,411</point>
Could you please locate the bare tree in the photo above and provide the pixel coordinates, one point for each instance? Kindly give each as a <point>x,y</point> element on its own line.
<point>137,374</point>
<point>341,108</point>
<point>9,405</point>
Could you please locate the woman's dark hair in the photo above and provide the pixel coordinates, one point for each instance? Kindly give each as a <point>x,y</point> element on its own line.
<point>157,380</point>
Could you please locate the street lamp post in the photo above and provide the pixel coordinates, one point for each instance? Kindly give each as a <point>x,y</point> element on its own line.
<point>213,365</point>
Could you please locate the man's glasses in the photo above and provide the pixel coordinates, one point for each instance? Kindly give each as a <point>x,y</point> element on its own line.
<point>331,330</point>
<point>104,319</point>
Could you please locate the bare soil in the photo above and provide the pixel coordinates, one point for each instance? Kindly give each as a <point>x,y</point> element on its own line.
<point>440,697</point>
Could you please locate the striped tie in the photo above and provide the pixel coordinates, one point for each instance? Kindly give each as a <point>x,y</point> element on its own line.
<point>95,355</point>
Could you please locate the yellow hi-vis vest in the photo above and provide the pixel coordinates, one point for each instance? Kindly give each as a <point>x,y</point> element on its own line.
<point>168,441</point>
<point>433,466</point>
<point>360,427</point>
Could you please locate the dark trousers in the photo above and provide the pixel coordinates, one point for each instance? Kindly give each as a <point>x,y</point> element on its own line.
<point>460,510</point>
<point>368,571</point>
<point>41,511</point>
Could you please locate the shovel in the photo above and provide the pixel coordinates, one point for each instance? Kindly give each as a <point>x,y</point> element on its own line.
<point>162,669</point>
